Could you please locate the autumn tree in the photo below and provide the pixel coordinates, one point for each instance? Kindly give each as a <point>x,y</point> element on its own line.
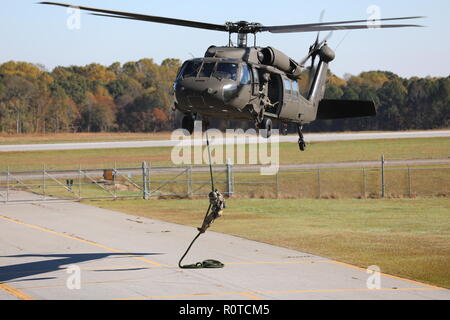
<point>138,97</point>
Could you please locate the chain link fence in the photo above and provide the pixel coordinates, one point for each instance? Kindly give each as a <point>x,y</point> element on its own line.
<point>149,182</point>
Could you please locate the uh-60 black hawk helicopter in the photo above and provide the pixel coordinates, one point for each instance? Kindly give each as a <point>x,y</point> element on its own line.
<point>251,83</point>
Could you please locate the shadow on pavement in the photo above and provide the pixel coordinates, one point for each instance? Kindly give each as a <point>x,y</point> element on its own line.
<point>55,262</point>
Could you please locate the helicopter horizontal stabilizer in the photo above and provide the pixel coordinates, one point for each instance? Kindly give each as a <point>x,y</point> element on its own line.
<point>342,109</point>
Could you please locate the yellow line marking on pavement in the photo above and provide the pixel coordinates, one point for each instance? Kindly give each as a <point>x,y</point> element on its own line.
<point>82,284</point>
<point>252,294</point>
<point>14,292</point>
<point>200,295</point>
<point>80,240</point>
<point>278,262</point>
<point>389,276</point>
<point>25,297</point>
<point>100,268</point>
<point>345,290</point>
<point>249,263</point>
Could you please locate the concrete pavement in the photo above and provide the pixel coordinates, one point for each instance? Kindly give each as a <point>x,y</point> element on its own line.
<point>126,257</point>
<point>169,143</point>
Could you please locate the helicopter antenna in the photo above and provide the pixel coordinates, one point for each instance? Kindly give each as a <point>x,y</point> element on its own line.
<point>343,39</point>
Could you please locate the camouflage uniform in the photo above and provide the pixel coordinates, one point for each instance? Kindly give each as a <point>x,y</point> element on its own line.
<point>217,201</point>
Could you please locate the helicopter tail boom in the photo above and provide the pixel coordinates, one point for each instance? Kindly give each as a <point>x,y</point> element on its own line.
<point>318,85</point>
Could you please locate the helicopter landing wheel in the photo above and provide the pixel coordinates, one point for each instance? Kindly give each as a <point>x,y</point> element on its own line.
<point>284,129</point>
<point>265,128</point>
<point>188,124</point>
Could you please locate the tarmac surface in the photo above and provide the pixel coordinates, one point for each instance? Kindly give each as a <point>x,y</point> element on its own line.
<point>172,143</point>
<point>119,256</point>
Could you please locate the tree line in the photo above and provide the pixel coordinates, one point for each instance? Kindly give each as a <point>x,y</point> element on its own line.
<point>137,97</point>
<point>402,104</point>
<point>134,97</point>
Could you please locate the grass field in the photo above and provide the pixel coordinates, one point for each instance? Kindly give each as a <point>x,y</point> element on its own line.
<point>16,139</point>
<point>323,152</point>
<point>407,238</point>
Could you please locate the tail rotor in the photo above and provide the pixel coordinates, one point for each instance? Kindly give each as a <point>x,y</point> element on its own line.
<point>314,50</point>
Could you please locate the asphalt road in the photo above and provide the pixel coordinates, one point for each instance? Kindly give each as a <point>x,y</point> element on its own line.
<point>119,256</point>
<point>170,143</point>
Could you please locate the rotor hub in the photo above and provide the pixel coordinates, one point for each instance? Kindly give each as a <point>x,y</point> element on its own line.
<point>243,27</point>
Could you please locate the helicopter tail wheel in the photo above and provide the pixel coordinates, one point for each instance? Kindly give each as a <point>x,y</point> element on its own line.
<point>266,128</point>
<point>188,124</point>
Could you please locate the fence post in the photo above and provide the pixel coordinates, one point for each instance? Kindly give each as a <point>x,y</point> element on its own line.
<point>383,177</point>
<point>114,180</point>
<point>364,183</point>
<point>409,182</point>
<point>144,180</point>
<point>277,181</point>
<point>319,184</point>
<point>189,180</point>
<point>149,179</point>
<point>230,180</point>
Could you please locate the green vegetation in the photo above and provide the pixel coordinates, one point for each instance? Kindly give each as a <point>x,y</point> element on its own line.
<point>323,152</point>
<point>53,138</point>
<point>402,104</point>
<point>407,238</point>
<point>86,158</point>
<point>137,97</point>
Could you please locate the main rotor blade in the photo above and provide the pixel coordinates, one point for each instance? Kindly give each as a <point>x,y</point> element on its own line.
<point>322,15</point>
<point>280,29</point>
<point>147,18</point>
<point>350,27</point>
<point>305,59</point>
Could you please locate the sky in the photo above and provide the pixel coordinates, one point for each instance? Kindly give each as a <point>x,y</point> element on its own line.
<point>39,34</point>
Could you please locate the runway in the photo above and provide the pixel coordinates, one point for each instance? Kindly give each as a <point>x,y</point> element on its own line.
<point>171,143</point>
<point>124,257</point>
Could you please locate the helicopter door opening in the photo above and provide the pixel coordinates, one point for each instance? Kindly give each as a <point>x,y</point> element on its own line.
<point>275,92</point>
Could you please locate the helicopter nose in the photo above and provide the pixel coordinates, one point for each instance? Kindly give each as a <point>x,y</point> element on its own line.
<point>199,94</point>
<point>213,96</point>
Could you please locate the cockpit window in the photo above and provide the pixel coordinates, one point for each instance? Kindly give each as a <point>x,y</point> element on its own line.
<point>207,69</point>
<point>245,75</point>
<point>226,70</point>
<point>295,88</point>
<point>191,69</point>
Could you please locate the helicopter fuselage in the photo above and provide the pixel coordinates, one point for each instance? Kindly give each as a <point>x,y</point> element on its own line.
<point>254,83</point>
<point>233,83</point>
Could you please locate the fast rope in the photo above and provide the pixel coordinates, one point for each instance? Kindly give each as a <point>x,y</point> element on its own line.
<point>216,206</point>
